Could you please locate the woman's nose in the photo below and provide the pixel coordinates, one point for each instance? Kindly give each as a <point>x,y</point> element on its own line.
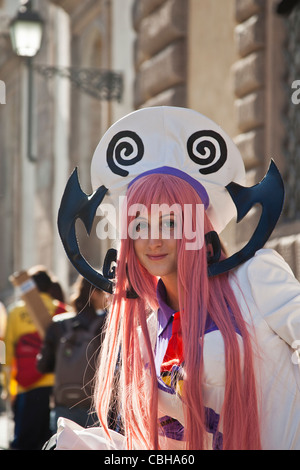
<point>155,241</point>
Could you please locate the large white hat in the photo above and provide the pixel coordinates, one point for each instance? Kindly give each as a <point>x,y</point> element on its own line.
<point>185,140</point>
<point>177,141</point>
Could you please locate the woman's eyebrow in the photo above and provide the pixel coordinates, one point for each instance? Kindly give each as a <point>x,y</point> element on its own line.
<point>170,214</point>
<point>140,217</point>
<point>161,216</point>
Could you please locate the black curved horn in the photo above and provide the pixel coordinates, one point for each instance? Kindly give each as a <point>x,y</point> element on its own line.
<point>270,194</point>
<point>75,204</point>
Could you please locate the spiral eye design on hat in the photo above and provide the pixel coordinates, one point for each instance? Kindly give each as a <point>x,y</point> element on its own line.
<point>208,149</point>
<point>125,149</point>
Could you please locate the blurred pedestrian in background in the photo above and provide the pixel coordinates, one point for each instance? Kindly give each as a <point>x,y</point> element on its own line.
<point>30,404</point>
<point>3,322</point>
<point>70,350</point>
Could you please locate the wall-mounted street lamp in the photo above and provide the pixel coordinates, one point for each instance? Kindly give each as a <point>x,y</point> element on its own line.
<point>26,31</point>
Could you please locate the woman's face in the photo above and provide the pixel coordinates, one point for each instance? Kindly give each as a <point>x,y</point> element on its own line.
<point>156,244</point>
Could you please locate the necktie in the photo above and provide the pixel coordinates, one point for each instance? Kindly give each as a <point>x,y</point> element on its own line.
<point>174,352</point>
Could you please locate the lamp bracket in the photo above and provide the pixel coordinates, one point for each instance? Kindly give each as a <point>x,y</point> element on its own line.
<point>98,83</point>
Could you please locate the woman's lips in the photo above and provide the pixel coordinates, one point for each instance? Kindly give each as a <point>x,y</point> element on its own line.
<point>156,257</point>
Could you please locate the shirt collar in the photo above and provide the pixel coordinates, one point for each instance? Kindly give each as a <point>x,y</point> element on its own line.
<point>165,313</point>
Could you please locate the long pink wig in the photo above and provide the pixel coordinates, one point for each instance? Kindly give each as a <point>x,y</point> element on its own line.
<point>124,380</point>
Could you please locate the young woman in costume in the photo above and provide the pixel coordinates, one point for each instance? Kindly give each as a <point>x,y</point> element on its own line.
<point>203,343</point>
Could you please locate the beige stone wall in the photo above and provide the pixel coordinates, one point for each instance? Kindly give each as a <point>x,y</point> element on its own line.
<point>10,171</point>
<point>211,54</point>
<point>64,136</point>
<point>258,83</point>
<point>223,58</point>
<point>90,47</point>
<point>237,76</point>
<point>160,52</point>
<point>26,205</point>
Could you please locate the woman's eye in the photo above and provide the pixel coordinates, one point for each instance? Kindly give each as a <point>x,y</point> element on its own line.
<point>169,224</point>
<point>141,226</point>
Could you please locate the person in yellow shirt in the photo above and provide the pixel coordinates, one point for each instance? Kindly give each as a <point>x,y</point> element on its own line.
<point>31,405</point>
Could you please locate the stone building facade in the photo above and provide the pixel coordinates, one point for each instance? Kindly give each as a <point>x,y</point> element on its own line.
<point>233,60</point>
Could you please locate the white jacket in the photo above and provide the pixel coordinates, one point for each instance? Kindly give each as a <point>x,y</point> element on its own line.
<point>269,298</point>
